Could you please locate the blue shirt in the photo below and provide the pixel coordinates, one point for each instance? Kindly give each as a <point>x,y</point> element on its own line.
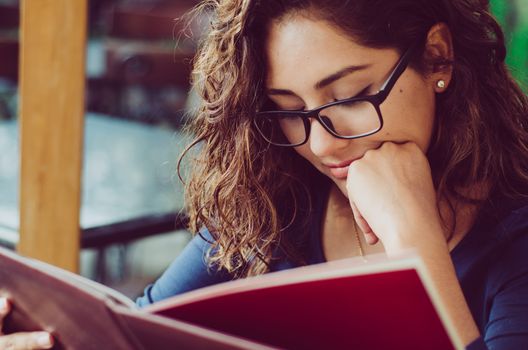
<point>491,263</point>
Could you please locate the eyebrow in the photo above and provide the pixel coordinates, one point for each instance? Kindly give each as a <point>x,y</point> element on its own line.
<point>324,82</point>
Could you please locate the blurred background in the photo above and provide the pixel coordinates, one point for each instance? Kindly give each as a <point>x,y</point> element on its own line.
<point>513,16</point>
<point>137,98</point>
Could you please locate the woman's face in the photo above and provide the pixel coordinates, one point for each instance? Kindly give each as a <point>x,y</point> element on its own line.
<point>302,52</point>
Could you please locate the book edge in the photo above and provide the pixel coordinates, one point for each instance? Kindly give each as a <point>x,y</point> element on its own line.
<point>192,329</point>
<point>377,263</point>
<point>434,296</point>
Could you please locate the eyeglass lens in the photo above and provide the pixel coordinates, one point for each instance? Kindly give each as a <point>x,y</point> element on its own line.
<point>347,119</point>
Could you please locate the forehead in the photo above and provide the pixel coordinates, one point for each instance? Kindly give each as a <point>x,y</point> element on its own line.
<point>303,50</point>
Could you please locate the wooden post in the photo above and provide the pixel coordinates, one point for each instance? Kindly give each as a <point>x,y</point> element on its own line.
<point>53,41</point>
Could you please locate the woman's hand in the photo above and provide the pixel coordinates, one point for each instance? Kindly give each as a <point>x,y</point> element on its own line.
<point>393,198</point>
<point>22,340</point>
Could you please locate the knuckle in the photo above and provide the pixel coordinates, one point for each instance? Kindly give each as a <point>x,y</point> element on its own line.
<point>354,168</point>
<point>354,165</point>
<point>29,342</point>
<point>388,145</point>
<point>7,343</point>
<point>18,341</point>
<point>368,154</point>
<point>391,148</point>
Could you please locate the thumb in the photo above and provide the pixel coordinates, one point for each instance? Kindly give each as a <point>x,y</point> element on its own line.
<point>370,236</point>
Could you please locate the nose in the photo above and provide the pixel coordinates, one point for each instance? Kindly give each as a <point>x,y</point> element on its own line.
<point>322,143</point>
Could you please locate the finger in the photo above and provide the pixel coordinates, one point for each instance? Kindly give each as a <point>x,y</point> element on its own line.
<point>360,220</point>
<point>370,236</point>
<point>4,310</point>
<point>26,341</point>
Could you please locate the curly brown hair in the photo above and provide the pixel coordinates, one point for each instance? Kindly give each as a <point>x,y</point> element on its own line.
<point>248,194</point>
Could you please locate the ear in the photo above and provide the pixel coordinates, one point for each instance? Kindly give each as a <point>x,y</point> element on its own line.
<point>439,51</point>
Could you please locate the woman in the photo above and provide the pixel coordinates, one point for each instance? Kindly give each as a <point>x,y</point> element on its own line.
<point>332,129</point>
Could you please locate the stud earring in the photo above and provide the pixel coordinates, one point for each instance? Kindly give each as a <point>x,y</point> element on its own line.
<point>441,84</point>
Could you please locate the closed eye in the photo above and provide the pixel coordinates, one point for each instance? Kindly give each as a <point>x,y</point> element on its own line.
<point>275,106</point>
<point>359,94</point>
<point>362,93</point>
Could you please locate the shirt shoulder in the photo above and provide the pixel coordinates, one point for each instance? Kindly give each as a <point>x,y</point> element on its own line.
<point>190,270</point>
<point>503,295</point>
<point>509,260</point>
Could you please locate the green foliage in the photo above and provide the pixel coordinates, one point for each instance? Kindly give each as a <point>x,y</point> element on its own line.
<point>513,16</point>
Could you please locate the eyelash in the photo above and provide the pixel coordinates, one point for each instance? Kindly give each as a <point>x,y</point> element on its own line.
<point>361,93</point>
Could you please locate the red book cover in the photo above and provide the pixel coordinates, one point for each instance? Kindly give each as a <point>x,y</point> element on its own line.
<point>348,304</point>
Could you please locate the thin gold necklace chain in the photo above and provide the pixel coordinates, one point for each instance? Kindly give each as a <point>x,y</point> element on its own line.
<point>361,252</point>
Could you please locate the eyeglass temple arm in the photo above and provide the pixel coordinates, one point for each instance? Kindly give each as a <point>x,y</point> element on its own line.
<point>400,68</point>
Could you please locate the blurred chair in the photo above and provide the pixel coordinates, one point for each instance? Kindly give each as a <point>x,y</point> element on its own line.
<point>148,20</point>
<point>9,57</point>
<point>146,74</point>
<point>129,62</point>
<point>9,20</point>
<point>9,16</point>
<point>147,69</point>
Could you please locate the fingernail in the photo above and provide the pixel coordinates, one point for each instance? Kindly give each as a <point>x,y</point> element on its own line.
<point>44,340</point>
<point>3,305</point>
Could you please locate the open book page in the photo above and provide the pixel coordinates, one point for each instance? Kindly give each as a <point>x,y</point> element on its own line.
<point>86,284</point>
<point>82,314</point>
<point>349,303</point>
<point>71,278</point>
<point>50,299</point>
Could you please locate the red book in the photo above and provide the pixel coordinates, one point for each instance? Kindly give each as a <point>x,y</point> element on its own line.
<point>379,303</point>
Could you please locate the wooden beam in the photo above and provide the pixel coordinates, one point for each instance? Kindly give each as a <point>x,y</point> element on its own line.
<point>53,41</point>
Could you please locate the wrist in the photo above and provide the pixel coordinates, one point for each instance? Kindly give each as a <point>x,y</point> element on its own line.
<point>424,238</point>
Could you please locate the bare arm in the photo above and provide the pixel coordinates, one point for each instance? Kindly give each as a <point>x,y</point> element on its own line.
<point>393,199</point>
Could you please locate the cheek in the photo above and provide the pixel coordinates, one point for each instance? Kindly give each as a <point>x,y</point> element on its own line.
<point>409,114</point>
<point>424,120</point>
<point>305,152</point>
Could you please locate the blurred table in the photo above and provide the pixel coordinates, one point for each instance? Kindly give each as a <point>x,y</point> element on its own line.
<point>130,186</point>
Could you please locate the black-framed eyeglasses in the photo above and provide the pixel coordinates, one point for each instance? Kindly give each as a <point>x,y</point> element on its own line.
<point>350,118</point>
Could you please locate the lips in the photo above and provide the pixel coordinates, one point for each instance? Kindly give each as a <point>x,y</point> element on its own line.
<point>339,173</point>
<point>340,170</point>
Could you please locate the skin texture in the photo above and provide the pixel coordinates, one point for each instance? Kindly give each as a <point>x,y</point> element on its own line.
<point>408,112</point>
<point>387,190</point>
